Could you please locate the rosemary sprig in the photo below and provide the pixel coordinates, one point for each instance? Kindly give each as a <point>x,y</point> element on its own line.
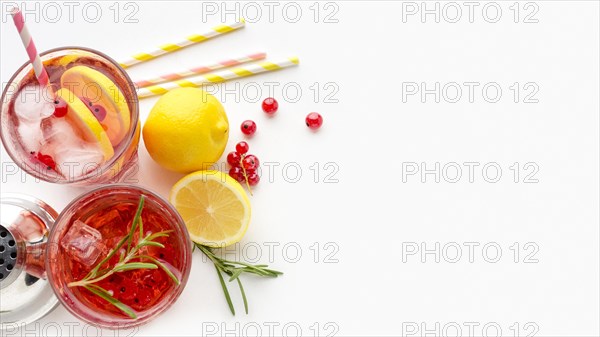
<point>126,261</point>
<point>234,269</point>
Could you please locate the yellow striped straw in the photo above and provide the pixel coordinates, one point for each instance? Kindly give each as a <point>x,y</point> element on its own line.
<point>219,76</point>
<point>188,41</point>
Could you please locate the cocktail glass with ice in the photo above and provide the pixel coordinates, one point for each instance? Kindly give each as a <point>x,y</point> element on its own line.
<point>90,228</point>
<point>83,129</point>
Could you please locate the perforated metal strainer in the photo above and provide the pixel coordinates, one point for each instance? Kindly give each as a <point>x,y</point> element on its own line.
<point>8,253</point>
<point>25,295</point>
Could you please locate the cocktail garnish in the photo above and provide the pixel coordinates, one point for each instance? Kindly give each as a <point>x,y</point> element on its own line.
<point>130,259</point>
<point>234,269</point>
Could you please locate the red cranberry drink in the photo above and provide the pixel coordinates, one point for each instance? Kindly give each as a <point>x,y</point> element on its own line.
<point>118,256</point>
<point>82,129</point>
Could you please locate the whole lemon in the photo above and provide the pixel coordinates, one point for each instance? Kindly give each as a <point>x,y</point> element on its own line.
<point>187,130</point>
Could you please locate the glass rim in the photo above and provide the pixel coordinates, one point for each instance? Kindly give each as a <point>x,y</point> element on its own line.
<point>120,324</point>
<point>131,135</point>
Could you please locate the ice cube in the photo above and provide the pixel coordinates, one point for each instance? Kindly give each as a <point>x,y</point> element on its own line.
<point>32,104</point>
<point>30,135</point>
<point>74,156</point>
<point>58,132</point>
<point>76,161</point>
<point>83,243</point>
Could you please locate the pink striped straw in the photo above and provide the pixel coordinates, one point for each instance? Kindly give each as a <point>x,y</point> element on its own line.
<point>201,69</point>
<point>34,57</point>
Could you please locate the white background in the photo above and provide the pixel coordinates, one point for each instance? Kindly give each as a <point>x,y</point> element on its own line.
<point>371,215</point>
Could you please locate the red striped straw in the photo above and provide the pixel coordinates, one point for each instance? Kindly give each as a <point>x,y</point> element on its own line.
<point>34,57</point>
<point>236,61</point>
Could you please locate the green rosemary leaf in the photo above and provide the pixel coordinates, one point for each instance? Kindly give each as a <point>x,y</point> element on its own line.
<point>141,228</point>
<point>206,250</point>
<point>156,235</point>
<point>243,295</point>
<point>274,273</point>
<point>134,223</point>
<point>235,274</point>
<point>258,271</point>
<point>228,269</point>
<point>101,292</point>
<point>150,243</point>
<point>163,267</point>
<point>134,265</point>
<point>247,265</point>
<point>225,291</point>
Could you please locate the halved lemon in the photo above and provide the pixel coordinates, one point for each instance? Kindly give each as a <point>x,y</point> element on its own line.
<point>85,122</point>
<point>92,86</point>
<point>214,207</point>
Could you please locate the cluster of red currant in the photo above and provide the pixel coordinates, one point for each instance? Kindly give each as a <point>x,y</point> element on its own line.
<point>243,165</point>
<point>270,106</point>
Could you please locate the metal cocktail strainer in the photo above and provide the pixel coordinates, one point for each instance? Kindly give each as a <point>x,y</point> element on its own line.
<point>8,253</point>
<point>25,295</point>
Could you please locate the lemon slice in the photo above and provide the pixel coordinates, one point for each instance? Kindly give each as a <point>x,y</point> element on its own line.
<point>85,122</point>
<point>92,86</point>
<point>214,207</point>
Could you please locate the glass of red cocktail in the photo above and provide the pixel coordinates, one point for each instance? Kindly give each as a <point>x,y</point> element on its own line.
<point>118,256</point>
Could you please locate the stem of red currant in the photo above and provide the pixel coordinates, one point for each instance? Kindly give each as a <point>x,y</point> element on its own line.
<point>245,174</point>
